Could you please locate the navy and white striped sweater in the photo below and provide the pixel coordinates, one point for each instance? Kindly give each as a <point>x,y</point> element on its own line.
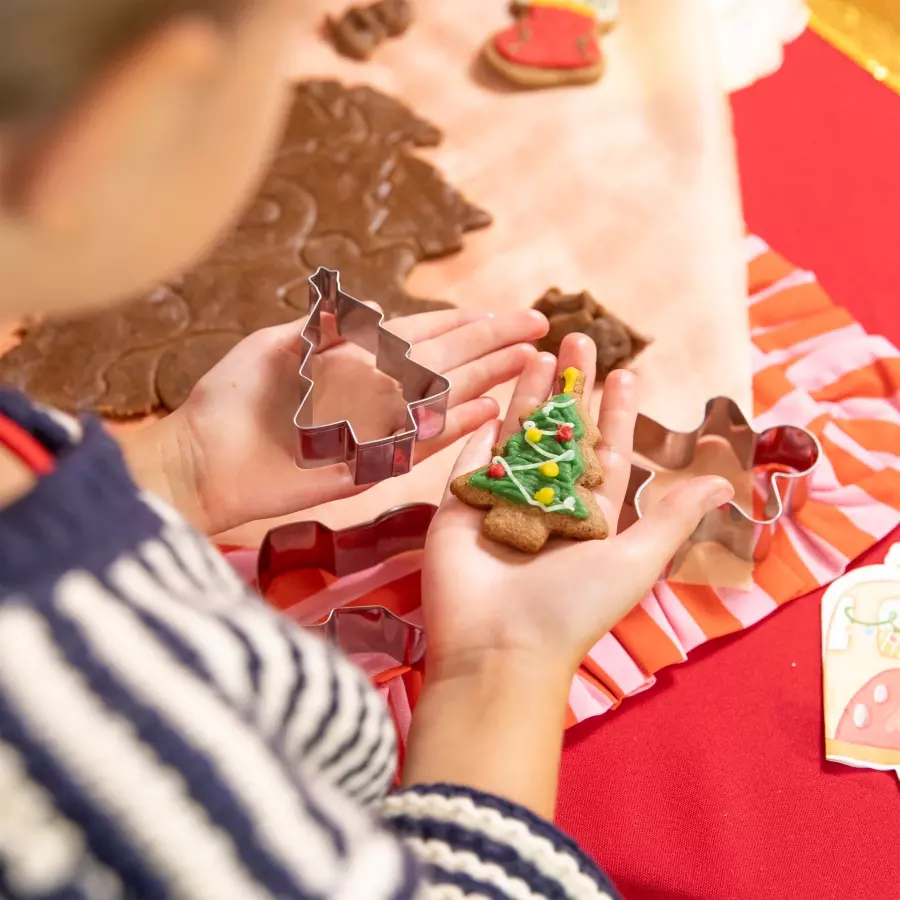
<point>163,734</point>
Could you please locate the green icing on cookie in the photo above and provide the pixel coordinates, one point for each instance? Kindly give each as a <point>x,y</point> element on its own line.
<point>522,477</point>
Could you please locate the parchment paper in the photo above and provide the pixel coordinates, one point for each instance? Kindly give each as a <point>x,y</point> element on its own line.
<point>626,188</point>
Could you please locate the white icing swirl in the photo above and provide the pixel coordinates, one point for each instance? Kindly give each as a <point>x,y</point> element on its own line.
<point>566,456</point>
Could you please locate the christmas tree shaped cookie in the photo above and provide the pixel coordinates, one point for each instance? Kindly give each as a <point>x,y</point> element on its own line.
<point>539,482</point>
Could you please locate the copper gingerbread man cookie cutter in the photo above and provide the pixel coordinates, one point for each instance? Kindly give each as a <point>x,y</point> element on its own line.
<point>784,456</point>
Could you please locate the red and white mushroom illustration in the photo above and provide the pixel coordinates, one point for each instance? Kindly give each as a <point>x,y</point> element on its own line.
<point>873,715</point>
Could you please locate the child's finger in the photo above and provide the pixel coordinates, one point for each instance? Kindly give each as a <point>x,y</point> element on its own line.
<point>460,421</point>
<point>330,336</point>
<point>532,389</point>
<point>646,548</point>
<point>470,342</point>
<point>288,336</point>
<point>285,336</point>
<point>477,377</point>
<point>425,326</point>
<point>476,453</point>
<point>618,411</point>
<point>580,351</point>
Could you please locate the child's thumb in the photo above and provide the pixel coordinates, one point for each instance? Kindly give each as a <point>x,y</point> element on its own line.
<point>649,545</point>
<point>288,336</point>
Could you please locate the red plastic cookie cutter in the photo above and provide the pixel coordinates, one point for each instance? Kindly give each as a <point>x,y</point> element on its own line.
<point>346,552</point>
<point>425,393</point>
<point>786,457</point>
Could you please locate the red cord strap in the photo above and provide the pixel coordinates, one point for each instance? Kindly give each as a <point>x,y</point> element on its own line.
<point>26,447</point>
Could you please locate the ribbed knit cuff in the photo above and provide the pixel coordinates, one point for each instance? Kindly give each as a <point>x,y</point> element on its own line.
<point>475,844</point>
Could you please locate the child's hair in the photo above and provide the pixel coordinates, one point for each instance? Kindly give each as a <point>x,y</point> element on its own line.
<point>51,49</point>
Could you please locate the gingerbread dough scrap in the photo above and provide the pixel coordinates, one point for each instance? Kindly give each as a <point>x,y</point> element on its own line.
<point>617,343</point>
<point>345,191</point>
<point>362,29</point>
<point>539,482</point>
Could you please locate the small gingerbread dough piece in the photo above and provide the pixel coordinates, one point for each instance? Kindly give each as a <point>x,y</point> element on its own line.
<point>362,29</point>
<point>617,343</point>
<point>539,482</point>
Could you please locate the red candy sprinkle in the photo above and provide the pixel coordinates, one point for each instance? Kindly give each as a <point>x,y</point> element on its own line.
<point>496,471</point>
<point>565,433</point>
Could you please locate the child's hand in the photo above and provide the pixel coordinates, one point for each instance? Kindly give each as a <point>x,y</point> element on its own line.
<point>506,630</point>
<point>227,455</point>
<point>485,602</point>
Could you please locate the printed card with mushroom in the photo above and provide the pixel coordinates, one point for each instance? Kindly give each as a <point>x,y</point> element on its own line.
<point>861,666</point>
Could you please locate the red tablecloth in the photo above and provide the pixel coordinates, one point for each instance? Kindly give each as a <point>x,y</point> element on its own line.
<point>713,785</point>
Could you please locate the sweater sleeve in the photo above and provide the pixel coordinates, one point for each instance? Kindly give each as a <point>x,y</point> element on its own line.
<point>125,771</point>
<point>147,750</point>
<point>165,735</point>
<point>474,845</point>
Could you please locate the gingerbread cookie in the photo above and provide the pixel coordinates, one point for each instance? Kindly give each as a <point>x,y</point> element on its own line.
<point>539,481</point>
<point>362,29</point>
<point>617,343</point>
<point>552,42</point>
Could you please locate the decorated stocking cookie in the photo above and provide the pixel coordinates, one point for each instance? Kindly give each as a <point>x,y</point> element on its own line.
<point>552,42</point>
<point>539,482</point>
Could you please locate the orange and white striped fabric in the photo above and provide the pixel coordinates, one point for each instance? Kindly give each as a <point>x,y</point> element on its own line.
<point>814,366</point>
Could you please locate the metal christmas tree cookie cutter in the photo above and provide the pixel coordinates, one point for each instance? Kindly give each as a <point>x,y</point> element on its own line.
<point>787,454</point>
<point>425,393</point>
<point>346,552</point>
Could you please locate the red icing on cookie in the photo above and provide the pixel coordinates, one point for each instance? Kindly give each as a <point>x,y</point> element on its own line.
<point>565,433</point>
<point>550,37</point>
<point>496,471</point>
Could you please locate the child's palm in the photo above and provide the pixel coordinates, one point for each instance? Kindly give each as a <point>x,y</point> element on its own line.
<point>483,598</point>
<point>238,421</point>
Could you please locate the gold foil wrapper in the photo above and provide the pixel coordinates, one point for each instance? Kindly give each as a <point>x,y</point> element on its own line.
<point>868,31</point>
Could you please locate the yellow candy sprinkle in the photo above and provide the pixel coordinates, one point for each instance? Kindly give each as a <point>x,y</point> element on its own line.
<point>570,376</point>
<point>544,496</point>
<point>549,469</point>
<point>533,435</point>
